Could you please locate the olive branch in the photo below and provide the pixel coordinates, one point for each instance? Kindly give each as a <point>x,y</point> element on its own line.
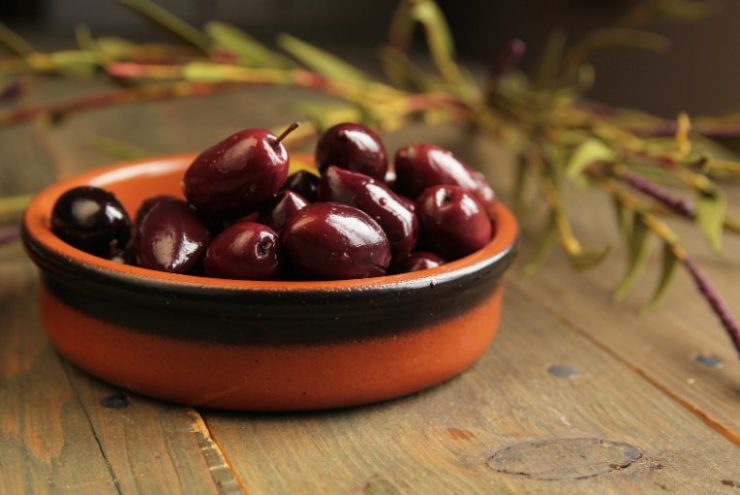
<point>652,168</point>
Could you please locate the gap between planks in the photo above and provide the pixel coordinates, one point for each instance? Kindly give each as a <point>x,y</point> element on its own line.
<point>723,430</point>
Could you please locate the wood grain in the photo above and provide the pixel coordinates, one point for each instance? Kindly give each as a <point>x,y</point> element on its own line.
<point>568,369</point>
<point>663,345</point>
<point>442,441</point>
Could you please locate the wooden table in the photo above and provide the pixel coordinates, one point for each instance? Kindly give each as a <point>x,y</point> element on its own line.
<point>574,396</point>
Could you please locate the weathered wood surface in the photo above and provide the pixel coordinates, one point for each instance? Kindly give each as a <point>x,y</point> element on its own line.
<point>582,396</point>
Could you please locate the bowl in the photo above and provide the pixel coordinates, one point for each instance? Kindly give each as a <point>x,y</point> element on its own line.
<point>259,345</point>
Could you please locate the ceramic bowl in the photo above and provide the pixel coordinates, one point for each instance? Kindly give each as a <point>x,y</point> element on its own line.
<point>259,345</point>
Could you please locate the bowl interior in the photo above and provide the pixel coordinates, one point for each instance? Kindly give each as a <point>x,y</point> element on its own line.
<point>133,182</point>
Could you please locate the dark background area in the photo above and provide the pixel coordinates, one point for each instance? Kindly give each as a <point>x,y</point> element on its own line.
<point>699,74</point>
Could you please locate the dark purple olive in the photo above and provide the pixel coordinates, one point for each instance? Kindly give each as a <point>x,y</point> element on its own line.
<point>453,221</point>
<point>377,200</point>
<point>304,183</point>
<point>420,165</point>
<point>246,251</point>
<point>233,177</point>
<point>335,241</point>
<point>92,220</point>
<point>420,260</point>
<point>147,205</point>
<point>354,147</point>
<point>172,238</point>
<point>285,205</point>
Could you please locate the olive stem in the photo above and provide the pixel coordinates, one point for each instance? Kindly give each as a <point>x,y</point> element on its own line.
<point>292,127</point>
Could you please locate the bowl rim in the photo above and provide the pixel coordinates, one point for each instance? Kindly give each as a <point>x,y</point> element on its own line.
<point>47,249</point>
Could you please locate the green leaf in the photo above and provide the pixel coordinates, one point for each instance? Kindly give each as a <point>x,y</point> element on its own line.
<point>601,40</point>
<point>589,258</point>
<point>402,72</point>
<point>402,27</point>
<point>545,245</point>
<point>250,51</point>
<point>115,48</point>
<point>711,208</point>
<point>428,14</point>
<point>668,271</point>
<point>169,21</point>
<point>75,62</point>
<point>587,153</point>
<point>685,10</point>
<point>321,61</point>
<point>636,256</point>
<point>625,219</point>
<point>14,42</point>
<point>549,64</point>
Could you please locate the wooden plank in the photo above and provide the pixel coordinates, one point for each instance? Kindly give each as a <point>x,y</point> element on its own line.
<point>452,439</point>
<point>665,346</point>
<point>141,445</point>
<point>46,442</point>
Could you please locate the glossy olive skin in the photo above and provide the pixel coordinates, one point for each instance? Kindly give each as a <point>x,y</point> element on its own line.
<point>421,165</point>
<point>172,238</point>
<point>353,147</point>
<point>330,240</point>
<point>233,177</point>
<point>377,200</point>
<point>281,209</point>
<point>245,251</point>
<point>92,220</point>
<point>420,260</point>
<point>454,223</point>
<point>304,183</point>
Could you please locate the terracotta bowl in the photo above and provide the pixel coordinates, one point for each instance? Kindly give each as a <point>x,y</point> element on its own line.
<point>252,345</point>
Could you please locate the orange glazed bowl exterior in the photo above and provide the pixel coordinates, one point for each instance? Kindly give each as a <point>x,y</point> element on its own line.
<point>259,345</point>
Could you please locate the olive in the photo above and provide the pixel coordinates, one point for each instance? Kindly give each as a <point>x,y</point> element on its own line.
<point>92,220</point>
<point>420,260</point>
<point>281,209</point>
<point>244,250</point>
<point>377,200</point>
<point>329,240</point>
<point>354,147</point>
<point>304,183</point>
<point>172,238</point>
<point>453,221</point>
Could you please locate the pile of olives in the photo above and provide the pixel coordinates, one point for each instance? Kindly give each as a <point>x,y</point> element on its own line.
<point>245,218</point>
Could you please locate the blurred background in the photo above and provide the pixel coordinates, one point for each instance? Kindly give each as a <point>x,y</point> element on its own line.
<point>698,75</point>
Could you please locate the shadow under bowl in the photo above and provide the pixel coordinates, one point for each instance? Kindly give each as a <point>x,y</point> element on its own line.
<point>259,345</point>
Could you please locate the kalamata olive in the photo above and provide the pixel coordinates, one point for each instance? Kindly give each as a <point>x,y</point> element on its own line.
<point>330,240</point>
<point>233,177</point>
<point>420,260</point>
<point>172,238</point>
<point>92,220</point>
<point>304,183</point>
<point>453,221</point>
<point>377,200</point>
<point>147,205</point>
<point>245,250</point>
<point>281,209</point>
<point>420,165</point>
<point>354,147</point>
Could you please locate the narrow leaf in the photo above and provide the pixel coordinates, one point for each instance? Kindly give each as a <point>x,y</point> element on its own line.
<point>402,27</point>
<point>711,208</point>
<point>249,50</point>
<point>625,219</point>
<point>549,64</point>
<point>589,258</point>
<point>14,42</point>
<point>319,60</point>
<point>75,62</point>
<point>428,14</point>
<point>401,71</point>
<point>170,22</point>
<point>115,48</point>
<point>668,271</point>
<point>545,245</point>
<point>636,256</point>
<point>587,153</point>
